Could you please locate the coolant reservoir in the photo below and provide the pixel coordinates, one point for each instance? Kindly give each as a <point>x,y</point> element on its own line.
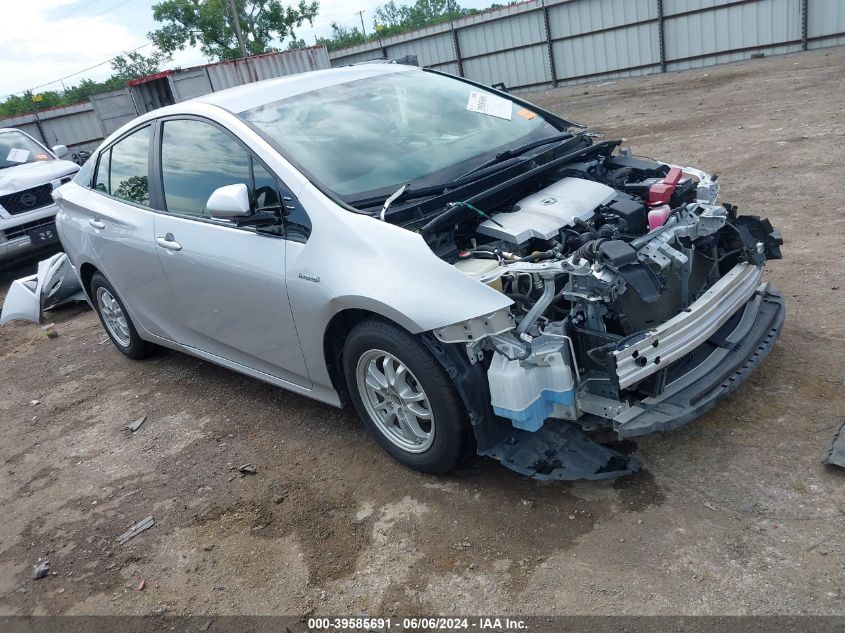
<point>527,394</point>
<point>481,269</point>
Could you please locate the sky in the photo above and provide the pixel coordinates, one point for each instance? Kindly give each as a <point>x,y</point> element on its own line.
<point>45,40</point>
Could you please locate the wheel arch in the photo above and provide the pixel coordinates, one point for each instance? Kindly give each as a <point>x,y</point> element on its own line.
<point>334,339</point>
<point>470,379</point>
<point>86,273</point>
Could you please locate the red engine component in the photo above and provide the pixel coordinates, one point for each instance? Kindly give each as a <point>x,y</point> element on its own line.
<point>661,192</point>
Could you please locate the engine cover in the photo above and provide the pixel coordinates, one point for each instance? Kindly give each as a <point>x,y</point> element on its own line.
<point>543,214</point>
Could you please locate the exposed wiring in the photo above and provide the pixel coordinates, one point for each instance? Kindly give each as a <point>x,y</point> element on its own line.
<point>478,211</point>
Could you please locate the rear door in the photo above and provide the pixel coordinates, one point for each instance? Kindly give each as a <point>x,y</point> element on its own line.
<point>227,283</point>
<point>118,218</point>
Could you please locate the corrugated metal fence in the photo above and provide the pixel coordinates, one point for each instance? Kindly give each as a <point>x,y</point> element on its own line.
<point>78,126</point>
<point>84,125</point>
<point>532,45</point>
<point>193,82</point>
<point>538,45</point>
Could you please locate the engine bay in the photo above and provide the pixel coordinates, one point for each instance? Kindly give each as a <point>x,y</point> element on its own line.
<point>595,256</point>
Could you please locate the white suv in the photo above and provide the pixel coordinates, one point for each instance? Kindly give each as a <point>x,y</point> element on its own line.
<point>29,173</point>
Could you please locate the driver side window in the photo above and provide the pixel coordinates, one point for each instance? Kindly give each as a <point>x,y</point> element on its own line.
<point>197,158</point>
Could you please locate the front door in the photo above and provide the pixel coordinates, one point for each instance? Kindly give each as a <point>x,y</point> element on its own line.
<point>227,283</point>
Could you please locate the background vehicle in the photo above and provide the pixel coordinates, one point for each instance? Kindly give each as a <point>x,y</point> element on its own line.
<point>29,173</point>
<point>471,273</point>
<point>81,156</point>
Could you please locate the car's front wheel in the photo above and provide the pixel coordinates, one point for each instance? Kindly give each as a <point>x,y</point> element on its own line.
<point>405,398</point>
<point>116,321</point>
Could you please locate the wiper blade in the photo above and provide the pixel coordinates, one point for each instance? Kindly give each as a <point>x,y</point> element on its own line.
<point>500,162</point>
<point>393,197</point>
<point>516,151</point>
<point>408,193</point>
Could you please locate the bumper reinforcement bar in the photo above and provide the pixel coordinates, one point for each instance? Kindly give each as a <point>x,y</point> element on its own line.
<point>700,389</point>
<point>689,329</point>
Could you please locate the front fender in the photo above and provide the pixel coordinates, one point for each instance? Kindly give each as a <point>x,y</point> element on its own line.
<point>354,261</point>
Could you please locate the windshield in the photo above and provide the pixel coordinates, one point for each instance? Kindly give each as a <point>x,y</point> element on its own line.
<point>373,135</point>
<point>17,148</point>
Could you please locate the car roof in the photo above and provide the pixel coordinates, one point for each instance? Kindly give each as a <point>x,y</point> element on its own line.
<point>259,93</point>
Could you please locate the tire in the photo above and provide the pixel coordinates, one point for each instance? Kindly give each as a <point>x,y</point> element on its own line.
<point>111,310</point>
<point>435,444</point>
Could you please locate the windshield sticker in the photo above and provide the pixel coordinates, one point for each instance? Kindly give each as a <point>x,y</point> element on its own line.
<point>489,104</point>
<point>17,155</point>
<point>525,113</point>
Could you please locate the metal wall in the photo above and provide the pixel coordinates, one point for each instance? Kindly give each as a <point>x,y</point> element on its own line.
<point>78,126</point>
<point>530,45</point>
<point>537,44</point>
<point>114,108</point>
<point>200,80</point>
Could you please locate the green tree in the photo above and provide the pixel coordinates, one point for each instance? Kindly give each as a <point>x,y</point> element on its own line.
<point>135,189</point>
<point>134,64</point>
<point>396,18</point>
<point>392,17</point>
<point>88,87</point>
<point>342,37</point>
<point>209,25</point>
<point>127,66</point>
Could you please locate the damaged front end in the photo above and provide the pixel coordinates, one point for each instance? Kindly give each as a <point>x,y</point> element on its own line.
<point>56,283</point>
<point>639,303</point>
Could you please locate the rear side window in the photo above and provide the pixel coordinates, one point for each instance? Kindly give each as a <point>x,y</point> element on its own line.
<point>123,170</point>
<point>196,159</point>
<point>101,183</point>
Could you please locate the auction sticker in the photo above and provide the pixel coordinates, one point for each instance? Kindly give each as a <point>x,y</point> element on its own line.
<point>17,155</point>
<point>489,104</point>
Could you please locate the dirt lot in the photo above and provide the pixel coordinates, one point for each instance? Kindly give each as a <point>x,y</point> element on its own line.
<point>733,514</point>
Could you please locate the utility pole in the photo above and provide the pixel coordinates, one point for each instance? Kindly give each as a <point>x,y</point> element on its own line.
<point>360,14</point>
<point>237,24</point>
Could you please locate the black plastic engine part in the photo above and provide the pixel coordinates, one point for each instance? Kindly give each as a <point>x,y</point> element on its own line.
<point>641,188</point>
<point>622,256</point>
<point>761,230</point>
<point>685,193</point>
<point>617,253</point>
<point>592,347</point>
<point>642,280</point>
<point>643,166</point>
<point>560,450</point>
<point>632,211</point>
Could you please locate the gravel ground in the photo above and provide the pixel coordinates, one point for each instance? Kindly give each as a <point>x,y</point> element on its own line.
<point>733,514</point>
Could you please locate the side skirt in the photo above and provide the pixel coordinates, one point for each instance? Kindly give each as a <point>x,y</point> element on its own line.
<point>323,394</point>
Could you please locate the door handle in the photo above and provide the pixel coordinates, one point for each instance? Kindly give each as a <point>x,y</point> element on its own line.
<point>169,242</point>
<point>97,224</point>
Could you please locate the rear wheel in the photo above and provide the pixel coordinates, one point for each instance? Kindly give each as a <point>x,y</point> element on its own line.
<point>405,398</point>
<point>115,319</point>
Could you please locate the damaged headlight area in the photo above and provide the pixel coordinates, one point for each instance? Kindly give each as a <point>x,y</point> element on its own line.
<point>636,308</point>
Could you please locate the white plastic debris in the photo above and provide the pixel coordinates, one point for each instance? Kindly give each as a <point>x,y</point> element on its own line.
<point>55,284</point>
<point>134,426</point>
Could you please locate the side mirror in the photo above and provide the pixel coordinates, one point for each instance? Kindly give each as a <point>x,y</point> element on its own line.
<point>60,150</point>
<point>231,201</point>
